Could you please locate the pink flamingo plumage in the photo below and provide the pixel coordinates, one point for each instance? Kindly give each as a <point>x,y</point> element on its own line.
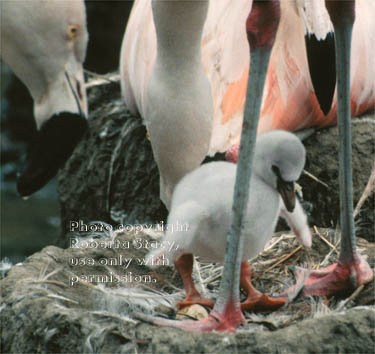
<point>289,100</point>
<point>261,26</point>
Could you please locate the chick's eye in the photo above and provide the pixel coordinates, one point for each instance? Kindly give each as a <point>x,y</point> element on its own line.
<point>276,170</point>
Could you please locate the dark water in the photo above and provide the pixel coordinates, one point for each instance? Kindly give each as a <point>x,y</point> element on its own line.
<point>27,225</point>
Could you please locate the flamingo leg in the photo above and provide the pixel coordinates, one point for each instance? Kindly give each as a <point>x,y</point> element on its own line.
<point>184,266</point>
<point>261,27</point>
<point>341,278</point>
<point>351,270</point>
<point>257,301</point>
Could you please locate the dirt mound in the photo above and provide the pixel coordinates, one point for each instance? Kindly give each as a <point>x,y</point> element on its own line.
<point>69,301</point>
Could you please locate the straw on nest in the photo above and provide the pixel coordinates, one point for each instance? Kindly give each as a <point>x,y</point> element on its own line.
<point>271,273</point>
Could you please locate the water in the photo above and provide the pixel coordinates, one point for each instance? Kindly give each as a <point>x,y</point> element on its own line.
<point>27,225</point>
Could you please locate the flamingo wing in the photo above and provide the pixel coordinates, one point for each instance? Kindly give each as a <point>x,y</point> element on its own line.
<point>289,100</point>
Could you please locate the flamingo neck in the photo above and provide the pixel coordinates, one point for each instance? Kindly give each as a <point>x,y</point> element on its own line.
<point>179,26</point>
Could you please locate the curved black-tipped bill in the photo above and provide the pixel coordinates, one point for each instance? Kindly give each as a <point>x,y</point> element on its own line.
<point>322,66</point>
<point>53,145</point>
<point>286,190</point>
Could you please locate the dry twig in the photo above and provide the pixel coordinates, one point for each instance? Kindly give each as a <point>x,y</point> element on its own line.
<point>316,179</point>
<point>325,240</point>
<point>350,298</point>
<point>283,259</point>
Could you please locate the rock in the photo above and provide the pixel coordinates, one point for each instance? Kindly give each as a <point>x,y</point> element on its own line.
<point>112,175</point>
<point>196,311</point>
<point>322,162</point>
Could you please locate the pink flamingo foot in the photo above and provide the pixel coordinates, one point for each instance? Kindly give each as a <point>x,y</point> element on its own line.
<point>339,279</point>
<point>263,303</point>
<point>227,320</point>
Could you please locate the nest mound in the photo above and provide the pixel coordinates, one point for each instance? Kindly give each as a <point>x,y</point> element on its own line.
<point>86,299</point>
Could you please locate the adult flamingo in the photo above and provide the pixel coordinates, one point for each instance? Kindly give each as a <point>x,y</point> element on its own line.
<point>44,43</point>
<point>289,101</point>
<point>178,93</point>
<point>351,270</point>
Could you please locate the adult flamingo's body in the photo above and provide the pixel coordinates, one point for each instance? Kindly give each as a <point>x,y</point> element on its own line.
<point>351,270</point>
<point>178,112</point>
<point>289,101</point>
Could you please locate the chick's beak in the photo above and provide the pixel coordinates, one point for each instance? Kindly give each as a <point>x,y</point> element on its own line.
<point>286,190</point>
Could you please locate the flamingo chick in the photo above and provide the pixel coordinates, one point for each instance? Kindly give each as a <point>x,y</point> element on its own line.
<point>44,43</point>
<point>203,201</point>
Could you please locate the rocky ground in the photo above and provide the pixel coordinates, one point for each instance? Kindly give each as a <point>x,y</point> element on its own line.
<point>51,304</point>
